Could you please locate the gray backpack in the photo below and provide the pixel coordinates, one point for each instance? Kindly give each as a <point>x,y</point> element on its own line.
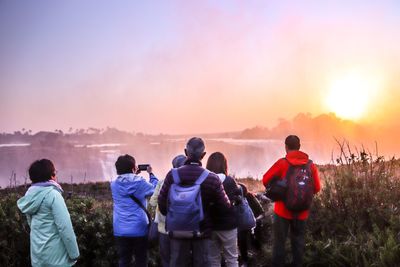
<point>185,208</point>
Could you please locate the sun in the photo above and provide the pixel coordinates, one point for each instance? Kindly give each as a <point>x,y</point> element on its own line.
<point>349,96</point>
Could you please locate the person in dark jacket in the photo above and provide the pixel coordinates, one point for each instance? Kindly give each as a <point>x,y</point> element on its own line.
<point>245,235</point>
<point>224,238</point>
<point>194,251</point>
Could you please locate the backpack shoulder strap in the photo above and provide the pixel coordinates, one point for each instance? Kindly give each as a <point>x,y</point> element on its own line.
<point>290,166</point>
<point>202,177</point>
<point>175,176</point>
<point>241,191</point>
<point>308,167</point>
<point>142,207</point>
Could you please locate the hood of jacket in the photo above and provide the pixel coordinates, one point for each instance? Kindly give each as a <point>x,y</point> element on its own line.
<point>128,183</point>
<point>297,157</point>
<point>30,203</point>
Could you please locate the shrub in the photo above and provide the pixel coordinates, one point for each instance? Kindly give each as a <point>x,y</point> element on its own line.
<point>14,233</point>
<point>355,219</point>
<point>92,222</point>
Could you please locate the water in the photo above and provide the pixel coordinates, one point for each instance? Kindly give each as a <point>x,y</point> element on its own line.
<point>246,158</point>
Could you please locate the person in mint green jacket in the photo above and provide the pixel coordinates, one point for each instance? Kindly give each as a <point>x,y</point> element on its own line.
<point>53,241</point>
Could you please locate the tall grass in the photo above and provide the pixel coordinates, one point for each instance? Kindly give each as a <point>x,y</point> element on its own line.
<point>355,221</point>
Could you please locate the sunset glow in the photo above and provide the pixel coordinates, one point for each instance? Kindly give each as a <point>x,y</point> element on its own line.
<point>195,66</point>
<point>349,96</point>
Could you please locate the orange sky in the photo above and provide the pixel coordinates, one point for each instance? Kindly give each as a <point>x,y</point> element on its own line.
<point>194,67</point>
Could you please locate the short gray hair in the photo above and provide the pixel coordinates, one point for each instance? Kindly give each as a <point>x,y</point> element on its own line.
<point>178,161</point>
<point>195,148</point>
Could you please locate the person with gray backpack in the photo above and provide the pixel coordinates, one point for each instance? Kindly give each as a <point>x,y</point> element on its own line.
<point>185,199</point>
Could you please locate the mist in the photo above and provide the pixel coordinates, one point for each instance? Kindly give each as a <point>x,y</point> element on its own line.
<point>87,155</point>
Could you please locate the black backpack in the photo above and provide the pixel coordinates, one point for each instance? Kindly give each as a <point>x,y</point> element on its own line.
<point>300,187</point>
<point>276,189</point>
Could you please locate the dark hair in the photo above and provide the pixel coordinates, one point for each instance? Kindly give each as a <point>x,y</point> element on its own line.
<point>125,164</point>
<point>217,163</point>
<point>292,142</point>
<point>41,171</point>
<point>178,161</point>
<point>195,148</point>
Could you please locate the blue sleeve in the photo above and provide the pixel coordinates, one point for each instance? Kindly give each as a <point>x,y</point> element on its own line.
<point>146,189</point>
<point>153,180</point>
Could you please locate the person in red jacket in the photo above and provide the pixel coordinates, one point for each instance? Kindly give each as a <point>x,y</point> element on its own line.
<point>284,219</point>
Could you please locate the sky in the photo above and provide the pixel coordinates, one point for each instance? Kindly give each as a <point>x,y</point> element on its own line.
<point>182,67</point>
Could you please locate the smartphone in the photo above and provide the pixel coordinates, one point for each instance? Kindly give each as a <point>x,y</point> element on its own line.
<point>143,167</point>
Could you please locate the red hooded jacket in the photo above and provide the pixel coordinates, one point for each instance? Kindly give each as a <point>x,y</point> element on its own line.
<point>279,169</point>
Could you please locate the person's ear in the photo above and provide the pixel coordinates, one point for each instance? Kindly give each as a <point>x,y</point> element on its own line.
<point>54,175</point>
<point>186,152</point>
<point>202,155</point>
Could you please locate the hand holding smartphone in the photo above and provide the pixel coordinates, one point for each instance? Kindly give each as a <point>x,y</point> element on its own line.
<point>143,167</point>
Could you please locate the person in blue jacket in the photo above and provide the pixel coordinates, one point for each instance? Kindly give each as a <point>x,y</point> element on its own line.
<point>52,238</point>
<point>130,222</point>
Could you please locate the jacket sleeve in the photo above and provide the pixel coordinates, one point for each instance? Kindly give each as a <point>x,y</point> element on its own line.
<point>274,171</point>
<point>29,219</point>
<point>163,196</point>
<point>145,188</point>
<point>220,197</point>
<point>154,197</point>
<point>63,223</point>
<point>234,193</point>
<point>153,180</point>
<point>317,182</point>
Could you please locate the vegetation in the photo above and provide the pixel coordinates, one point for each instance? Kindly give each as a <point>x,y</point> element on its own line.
<point>90,207</point>
<point>355,220</point>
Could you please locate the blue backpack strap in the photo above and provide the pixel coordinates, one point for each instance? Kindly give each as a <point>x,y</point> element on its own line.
<point>202,177</point>
<point>175,176</point>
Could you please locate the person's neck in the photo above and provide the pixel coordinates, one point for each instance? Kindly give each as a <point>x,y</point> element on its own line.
<point>191,161</point>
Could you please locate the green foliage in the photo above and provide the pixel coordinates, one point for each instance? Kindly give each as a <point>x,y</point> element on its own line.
<point>354,221</point>
<point>92,222</point>
<point>14,233</point>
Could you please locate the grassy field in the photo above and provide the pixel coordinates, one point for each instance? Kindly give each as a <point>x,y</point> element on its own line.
<point>354,221</point>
